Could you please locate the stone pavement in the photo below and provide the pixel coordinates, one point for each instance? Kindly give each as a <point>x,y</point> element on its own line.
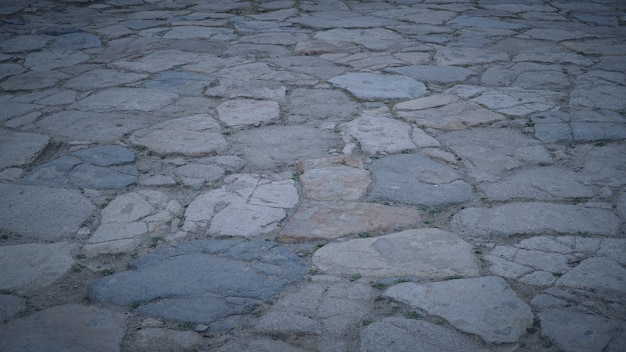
<point>313,175</point>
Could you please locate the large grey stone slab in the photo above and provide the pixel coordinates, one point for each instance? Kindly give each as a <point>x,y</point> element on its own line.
<point>33,80</point>
<point>92,176</point>
<point>181,82</point>
<point>258,345</point>
<point>484,306</point>
<point>52,174</point>
<point>103,78</point>
<point>328,221</point>
<point>407,335</point>
<point>202,281</point>
<point>461,56</point>
<point>319,104</point>
<point>25,43</point>
<point>19,148</point>
<point>334,178</point>
<point>243,112</point>
<point>126,99</point>
<point>239,88</point>
<point>604,164</point>
<point>518,101</point>
<point>279,146</point>
<point>417,180</point>
<point>65,328</point>
<point>576,332</point>
<point>371,38</point>
<point>379,134</point>
<point>75,41</point>
<point>579,125</point>
<point>534,218</point>
<point>106,155</point>
<point>196,135</point>
<point>154,339</point>
<point>10,305</point>
<point>372,86</point>
<point>600,274</point>
<point>43,212</point>
<point>72,125</point>
<point>426,73</point>
<point>429,253</point>
<point>44,61</point>
<point>34,265</point>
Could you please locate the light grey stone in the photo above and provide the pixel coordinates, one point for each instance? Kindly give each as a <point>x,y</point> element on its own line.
<point>33,80</point>
<point>34,265</point>
<point>98,177</point>
<point>152,339</point>
<point>518,101</point>
<point>538,278</point>
<point>379,134</point>
<point>7,70</point>
<point>320,104</point>
<point>506,268</point>
<point>604,165</point>
<point>576,332</point>
<point>533,218</point>
<point>103,78</point>
<point>196,135</point>
<point>45,61</point>
<point>114,238</point>
<point>600,274</point>
<point>429,253</point>
<point>75,41</point>
<point>19,148</point>
<point>545,244</point>
<point>579,125</point>
<point>247,220</point>
<point>187,32</point>
<point>126,99</point>
<point>258,89</point>
<point>371,86</point>
<point>334,178</point>
<point>613,248</point>
<point>371,38</point>
<point>461,56</point>
<point>52,174</point>
<point>196,175</point>
<point>242,112</point>
<point>59,212</point>
<point>161,60</point>
<point>180,82</point>
<point>484,306</point>
<point>544,301</point>
<point>426,73</point>
<point>106,155</point>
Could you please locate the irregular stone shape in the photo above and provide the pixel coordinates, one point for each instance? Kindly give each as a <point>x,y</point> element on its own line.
<point>24,43</point>
<point>378,134</point>
<point>484,306</point>
<point>161,60</point>
<point>187,32</point>
<point>371,86</point>
<point>576,332</point>
<point>601,274</point>
<point>310,65</point>
<point>90,126</point>
<point>340,19</point>
<point>278,146</point>
<point>579,125</point>
<point>34,265</point>
<point>103,78</point>
<point>202,281</point>
<point>7,70</point>
<point>417,180</point>
<point>196,175</point>
<point>150,339</point>
<point>59,212</point>
<point>258,345</point>
<point>603,96</point>
<point>195,135</point>
<point>534,218</point>
<point>126,99</point>
<point>430,253</point>
<point>462,56</point>
<point>447,112</point>
<point>98,177</point>
<point>320,104</point>
<point>115,238</point>
<point>335,220</point>
<point>19,148</point>
<point>245,220</point>
<point>33,80</point>
<point>75,41</point>
<point>241,112</point>
<point>106,155</point>
<point>10,305</point>
<point>405,335</point>
<point>546,183</point>
<point>371,38</point>
<point>259,89</point>
<point>506,268</point>
<point>334,178</point>
<point>621,206</point>
<point>66,328</point>
<point>181,82</point>
<point>45,61</point>
<point>489,152</point>
<point>426,73</point>
<point>318,308</point>
<point>604,164</point>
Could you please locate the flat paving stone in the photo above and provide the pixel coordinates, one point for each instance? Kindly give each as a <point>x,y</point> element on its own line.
<point>604,164</point>
<point>585,125</point>
<point>244,112</point>
<point>371,86</point>
<point>197,175</point>
<point>517,101</point>
<point>258,345</point>
<point>75,41</point>
<point>315,104</point>
<point>19,148</point>
<point>326,221</point>
<point>334,178</point>
<point>379,134</point>
<point>461,56</point>
<point>371,38</point>
<point>405,335</point>
<point>426,73</point>
<point>24,43</point>
<point>106,155</point>
<point>202,281</point>
<point>34,265</point>
<point>98,177</point>
<point>45,61</point>
<point>447,112</point>
<point>10,305</point>
<point>196,135</point>
<point>576,332</point>
<point>417,180</point>
<point>33,80</point>
<point>65,328</point>
<point>513,219</point>
<point>60,212</point>
<point>103,78</point>
<point>424,253</point>
<point>125,99</point>
<point>601,274</point>
<point>484,306</point>
<point>180,82</point>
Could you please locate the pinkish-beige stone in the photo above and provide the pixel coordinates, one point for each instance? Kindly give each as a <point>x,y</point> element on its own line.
<point>334,178</point>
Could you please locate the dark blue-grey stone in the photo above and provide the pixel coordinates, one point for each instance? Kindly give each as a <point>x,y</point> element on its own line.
<point>98,177</point>
<point>483,22</point>
<point>202,281</point>
<point>429,73</point>
<point>182,82</point>
<point>76,41</point>
<point>53,174</point>
<point>417,180</point>
<point>106,155</point>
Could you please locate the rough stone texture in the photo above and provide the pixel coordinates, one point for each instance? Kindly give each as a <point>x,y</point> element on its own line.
<point>10,305</point>
<point>19,148</point>
<point>90,176</point>
<point>334,178</point>
<point>202,281</point>
<point>316,104</point>
<point>33,265</point>
<point>60,212</point>
<point>429,253</point>
<point>406,335</point>
<point>578,125</point>
<point>601,274</point>
<point>258,345</point>
<point>378,134</point>
<point>106,155</point>
<point>370,86</point>
<point>152,339</point>
<point>483,306</point>
<point>196,135</point>
<point>417,180</point>
<point>444,74</point>
<point>103,78</point>
<point>534,218</point>
<point>335,220</point>
<point>459,56</point>
<point>242,112</point>
<point>371,38</point>
<point>576,332</point>
<point>126,99</point>
<point>604,164</point>
<point>65,328</point>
